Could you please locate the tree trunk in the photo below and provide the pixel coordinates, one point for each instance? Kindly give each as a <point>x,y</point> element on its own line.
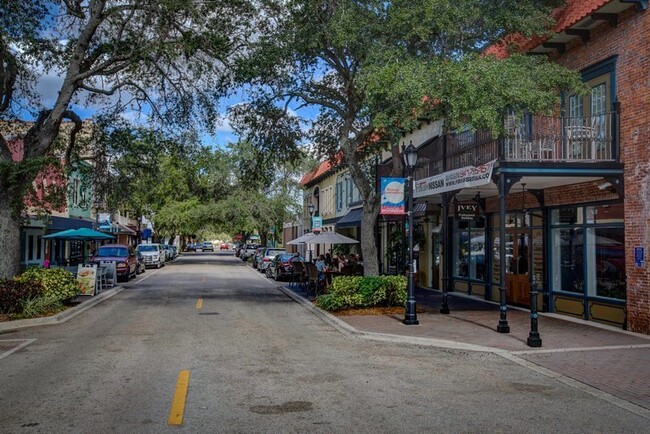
<point>10,236</point>
<point>368,243</point>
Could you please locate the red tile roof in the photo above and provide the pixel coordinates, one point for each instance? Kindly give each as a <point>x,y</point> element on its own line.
<point>322,168</point>
<point>565,17</point>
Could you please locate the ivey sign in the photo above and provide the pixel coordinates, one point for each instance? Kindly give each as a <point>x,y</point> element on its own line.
<point>457,179</point>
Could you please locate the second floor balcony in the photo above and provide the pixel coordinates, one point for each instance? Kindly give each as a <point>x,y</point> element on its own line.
<point>543,139</point>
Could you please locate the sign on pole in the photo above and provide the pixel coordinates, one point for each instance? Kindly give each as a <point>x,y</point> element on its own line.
<point>392,196</point>
<point>317,224</point>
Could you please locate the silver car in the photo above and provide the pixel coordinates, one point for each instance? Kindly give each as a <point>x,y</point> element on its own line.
<point>153,254</point>
<point>265,258</point>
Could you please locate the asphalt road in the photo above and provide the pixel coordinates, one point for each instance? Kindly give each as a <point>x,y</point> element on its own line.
<point>260,362</point>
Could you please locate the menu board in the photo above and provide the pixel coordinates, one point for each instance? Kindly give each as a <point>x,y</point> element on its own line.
<point>87,277</point>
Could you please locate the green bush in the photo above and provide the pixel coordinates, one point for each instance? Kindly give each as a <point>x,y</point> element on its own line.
<point>356,291</point>
<point>39,306</point>
<point>57,282</point>
<point>13,293</point>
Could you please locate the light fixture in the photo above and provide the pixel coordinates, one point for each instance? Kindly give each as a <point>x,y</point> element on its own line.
<point>605,185</point>
<point>410,156</point>
<point>311,208</point>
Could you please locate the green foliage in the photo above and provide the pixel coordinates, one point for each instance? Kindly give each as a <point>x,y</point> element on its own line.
<point>14,292</point>
<point>56,282</point>
<point>39,306</point>
<point>357,291</point>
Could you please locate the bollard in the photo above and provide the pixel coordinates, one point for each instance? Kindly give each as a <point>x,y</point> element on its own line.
<point>534,340</point>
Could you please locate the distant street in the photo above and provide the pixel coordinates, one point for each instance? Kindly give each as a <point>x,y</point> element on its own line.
<point>259,362</point>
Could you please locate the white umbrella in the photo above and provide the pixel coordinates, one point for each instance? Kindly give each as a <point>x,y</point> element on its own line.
<point>331,238</point>
<point>305,239</point>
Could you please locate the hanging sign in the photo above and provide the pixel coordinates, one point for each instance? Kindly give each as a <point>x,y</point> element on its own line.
<point>317,224</point>
<point>392,196</point>
<point>458,179</point>
<point>466,211</point>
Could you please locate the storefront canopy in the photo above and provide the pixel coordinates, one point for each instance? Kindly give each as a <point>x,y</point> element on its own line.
<point>351,220</point>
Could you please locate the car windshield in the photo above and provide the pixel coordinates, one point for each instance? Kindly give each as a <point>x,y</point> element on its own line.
<point>285,257</point>
<point>274,252</point>
<point>147,248</point>
<point>112,251</point>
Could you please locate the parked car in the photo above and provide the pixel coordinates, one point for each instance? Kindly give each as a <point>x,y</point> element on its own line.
<point>248,251</point>
<point>154,255</point>
<point>259,251</point>
<point>169,252</point>
<point>280,266</point>
<point>267,255</point>
<point>141,265</point>
<point>126,262</point>
<point>190,247</point>
<point>175,252</point>
<point>223,246</point>
<point>239,249</point>
<point>207,245</point>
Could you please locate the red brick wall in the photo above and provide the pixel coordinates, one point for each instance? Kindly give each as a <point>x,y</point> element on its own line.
<point>629,40</point>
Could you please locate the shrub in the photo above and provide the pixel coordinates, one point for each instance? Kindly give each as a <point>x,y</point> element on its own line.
<point>13,293</point>
<point>356,291</point>
<point>57,282</point>
<point>39,306</point>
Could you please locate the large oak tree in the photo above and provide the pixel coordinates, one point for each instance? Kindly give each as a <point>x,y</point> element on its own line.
<point>166,59</point>
<point>371,68</point>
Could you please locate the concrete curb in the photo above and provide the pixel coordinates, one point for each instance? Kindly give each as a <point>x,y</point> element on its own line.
<point>62,317</point>
<point>347,329</point>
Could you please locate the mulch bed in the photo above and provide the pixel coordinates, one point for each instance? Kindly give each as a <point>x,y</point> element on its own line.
<point>393,310</point>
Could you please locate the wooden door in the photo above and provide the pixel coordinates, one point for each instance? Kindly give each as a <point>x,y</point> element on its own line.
<point>518,267</point>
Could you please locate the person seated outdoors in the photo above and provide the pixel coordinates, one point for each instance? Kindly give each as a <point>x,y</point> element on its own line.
<point>320,267</point>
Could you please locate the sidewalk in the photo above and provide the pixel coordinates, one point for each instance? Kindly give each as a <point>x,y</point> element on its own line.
<point>603,358</point>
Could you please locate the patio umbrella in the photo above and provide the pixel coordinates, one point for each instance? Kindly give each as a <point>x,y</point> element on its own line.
<point>331,238</point>
<point>82,234</point>
<point>304,239</point>
<point>61,235</point>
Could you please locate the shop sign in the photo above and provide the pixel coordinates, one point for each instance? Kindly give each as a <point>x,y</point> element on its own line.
<point>639,256</point>
<point>87,277</point>
<point>317,224</point>
<point>392,196</point>
<point>466,177</point>
<point>466,211</point>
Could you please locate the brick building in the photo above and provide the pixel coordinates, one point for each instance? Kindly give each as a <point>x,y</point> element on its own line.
<point>561,202</point>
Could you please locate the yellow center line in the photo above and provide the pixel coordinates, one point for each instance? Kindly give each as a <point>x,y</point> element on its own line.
<point>180,396</point>
<point>199,303</point>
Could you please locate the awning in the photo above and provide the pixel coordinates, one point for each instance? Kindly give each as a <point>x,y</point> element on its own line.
<point>62,223</point>
<point>125,230</point>
<point>351,220</point>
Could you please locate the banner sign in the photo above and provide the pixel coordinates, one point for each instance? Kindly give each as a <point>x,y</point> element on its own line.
<point>392,196</point>
<point>458,179</point>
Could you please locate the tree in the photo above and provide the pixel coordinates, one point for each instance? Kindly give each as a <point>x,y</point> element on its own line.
<point>166,59</point>
<point>371,68</point>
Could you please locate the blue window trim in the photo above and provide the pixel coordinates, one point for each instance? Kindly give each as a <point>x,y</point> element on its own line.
<point>584,297</point>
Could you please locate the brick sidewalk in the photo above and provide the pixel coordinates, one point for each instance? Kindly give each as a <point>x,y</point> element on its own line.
<point>613,361</point>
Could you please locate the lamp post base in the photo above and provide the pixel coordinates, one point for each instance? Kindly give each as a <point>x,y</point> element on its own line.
<point>503,327</point>
<point>444,309</point>
<point>534,340</point>
<point>410,316</point>
<point>406,321</point>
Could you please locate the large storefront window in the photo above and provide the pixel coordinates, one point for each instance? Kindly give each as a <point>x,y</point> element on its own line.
<point>589,254</point>
<point>469,249</point>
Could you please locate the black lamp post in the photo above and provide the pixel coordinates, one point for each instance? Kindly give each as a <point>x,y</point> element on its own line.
<point>410,157</point>
<point>311,209</point>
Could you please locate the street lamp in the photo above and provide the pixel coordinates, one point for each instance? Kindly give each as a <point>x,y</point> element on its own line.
<point>311,209</point>
<point>410,157</point>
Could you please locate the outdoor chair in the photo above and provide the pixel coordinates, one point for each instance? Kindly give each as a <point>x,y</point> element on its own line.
<point>312,278</point>
<point>297,271</point>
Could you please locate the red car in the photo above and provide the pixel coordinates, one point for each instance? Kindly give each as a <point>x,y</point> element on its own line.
<point>223,246</point>
<point>124,257</point>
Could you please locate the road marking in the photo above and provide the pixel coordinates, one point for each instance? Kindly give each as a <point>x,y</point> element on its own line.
<point>180,396</point>
<point>25,342</point>
<point>199,303</point>
<point>147,276</point>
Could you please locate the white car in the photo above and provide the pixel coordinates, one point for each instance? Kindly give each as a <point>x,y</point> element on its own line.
<point>152,254</point>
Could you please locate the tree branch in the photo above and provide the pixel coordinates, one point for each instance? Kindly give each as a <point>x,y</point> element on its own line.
<point>69,114</point>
